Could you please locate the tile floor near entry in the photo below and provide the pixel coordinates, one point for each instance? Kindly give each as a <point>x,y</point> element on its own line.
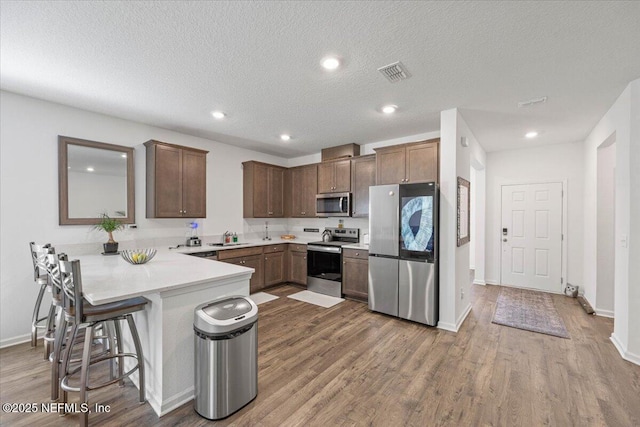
<point>347,366</point>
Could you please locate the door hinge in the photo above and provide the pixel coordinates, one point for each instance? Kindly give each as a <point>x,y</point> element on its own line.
<point>561,280</point>
<point>562,237</point>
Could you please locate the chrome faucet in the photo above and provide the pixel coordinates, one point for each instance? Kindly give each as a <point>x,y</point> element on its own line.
<point>266,231</point>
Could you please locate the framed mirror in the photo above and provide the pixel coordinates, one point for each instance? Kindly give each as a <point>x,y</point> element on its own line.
<point>464,204</point>
<point>94,178</point>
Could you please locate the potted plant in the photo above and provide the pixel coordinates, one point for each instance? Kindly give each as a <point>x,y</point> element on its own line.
<point>109,225</point>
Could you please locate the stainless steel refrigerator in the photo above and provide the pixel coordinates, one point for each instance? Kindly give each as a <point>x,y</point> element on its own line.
<point>403,251</point>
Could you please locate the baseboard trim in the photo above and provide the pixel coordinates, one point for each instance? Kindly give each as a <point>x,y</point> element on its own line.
<point>479,282</point>
<point>20,339</point>
<point>604,313</point>
<point>626,355</point>
<point>463,317</point>
<point>447,326</point>
<point>491,282</point>
<point>177,400</point>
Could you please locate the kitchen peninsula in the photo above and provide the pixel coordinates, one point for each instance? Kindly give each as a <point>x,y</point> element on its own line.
<point>175,284</point>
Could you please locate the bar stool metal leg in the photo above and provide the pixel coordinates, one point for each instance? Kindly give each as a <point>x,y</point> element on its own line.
<point>84,374</point>
<point>34,318</point>
<point>61,333</point>
<point>136,343</point>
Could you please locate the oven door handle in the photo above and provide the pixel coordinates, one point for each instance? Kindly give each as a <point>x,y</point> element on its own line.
<point>332,249</point>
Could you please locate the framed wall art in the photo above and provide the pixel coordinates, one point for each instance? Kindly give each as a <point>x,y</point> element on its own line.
<point>464,205</point>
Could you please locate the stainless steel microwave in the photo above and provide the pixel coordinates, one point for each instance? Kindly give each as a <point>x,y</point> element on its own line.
<point>333,204</point>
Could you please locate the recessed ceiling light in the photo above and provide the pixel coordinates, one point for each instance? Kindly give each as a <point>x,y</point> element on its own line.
<point>531,134</point>
<point>90,169</point>
<point>330,63</point>
<point>218,115</point>
<point>389,109</point>
<point>285,137</point>
<point>123,155</point>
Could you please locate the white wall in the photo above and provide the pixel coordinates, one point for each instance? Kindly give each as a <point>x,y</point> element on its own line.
<point>29,130</point>
<point>455,161</point>
<point>551,163</point>
<point>633,293</point>
<point>606,242</point>
<point>623,121</point>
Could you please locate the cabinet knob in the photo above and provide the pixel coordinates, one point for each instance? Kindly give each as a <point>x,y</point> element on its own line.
<point>304,257</point>
<point>344,262</point>
<point>184,212</point>
<point>354,212</point>
<point>357,253</point>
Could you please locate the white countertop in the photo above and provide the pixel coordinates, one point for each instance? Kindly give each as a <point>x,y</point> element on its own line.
<point>247,244</point>
<point>111,278</point>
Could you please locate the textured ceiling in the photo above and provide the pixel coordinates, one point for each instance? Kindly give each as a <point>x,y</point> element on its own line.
<point>169,64</point>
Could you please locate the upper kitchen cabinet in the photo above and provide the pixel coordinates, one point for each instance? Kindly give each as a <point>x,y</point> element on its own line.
<point>334,176</point>
<point>263,190</point>
<point>303,189</point>
<point>408,163</point>
<point>176,181</point>
<point>363,175</point>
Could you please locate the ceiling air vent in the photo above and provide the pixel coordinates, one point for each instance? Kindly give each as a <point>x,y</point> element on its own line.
<point>395,72</point>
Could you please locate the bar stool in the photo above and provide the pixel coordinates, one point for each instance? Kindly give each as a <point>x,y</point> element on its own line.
<point>40,276</point>
<point>81,314</point>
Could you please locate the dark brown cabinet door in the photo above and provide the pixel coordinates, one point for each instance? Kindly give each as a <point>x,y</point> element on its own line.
<point>176,181</point>
<point>257,278</point>
<point>275,204</point>
<point>263,190</point>
<point>168,182</point>
<point>274,268</point>
<point>355,276</point>
<point>363,175</point>
<point>334,176</point>
<point>326,177</point>
<point>304,185</point>
<point>422,163</point>
<point>408,163</point>
<point>342,174</point>
<point>194,184</point>
<point>260,191</point>
<point>390,164</point>
<point>298,267</point>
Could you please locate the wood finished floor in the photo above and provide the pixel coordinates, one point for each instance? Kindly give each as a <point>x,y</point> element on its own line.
<point>348,366</point>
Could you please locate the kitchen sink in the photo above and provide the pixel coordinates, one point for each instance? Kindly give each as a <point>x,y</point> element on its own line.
<point>225,244</point>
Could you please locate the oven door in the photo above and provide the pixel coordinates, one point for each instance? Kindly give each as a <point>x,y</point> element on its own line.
<point>324,262</point>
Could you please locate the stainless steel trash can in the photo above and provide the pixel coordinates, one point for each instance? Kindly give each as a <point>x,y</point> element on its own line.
<point>226,356</point>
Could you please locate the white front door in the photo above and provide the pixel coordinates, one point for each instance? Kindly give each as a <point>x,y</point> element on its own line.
<point>532,236</point>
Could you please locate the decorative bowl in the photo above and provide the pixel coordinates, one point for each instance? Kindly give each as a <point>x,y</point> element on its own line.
<point>138,256</point>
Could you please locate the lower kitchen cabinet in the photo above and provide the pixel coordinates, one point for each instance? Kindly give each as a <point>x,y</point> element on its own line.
<point>274,268</point>
<point>247,257</point>
<point>298,264</point>
<point>355,274</point>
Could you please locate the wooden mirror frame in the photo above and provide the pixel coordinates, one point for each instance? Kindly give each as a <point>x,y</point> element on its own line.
<point>63,180</point>
<point>464,213</point>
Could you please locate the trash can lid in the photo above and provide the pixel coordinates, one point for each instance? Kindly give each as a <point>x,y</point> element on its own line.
<point>227,308</point>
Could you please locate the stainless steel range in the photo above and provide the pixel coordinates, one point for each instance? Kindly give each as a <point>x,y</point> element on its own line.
<point>324,260</point>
